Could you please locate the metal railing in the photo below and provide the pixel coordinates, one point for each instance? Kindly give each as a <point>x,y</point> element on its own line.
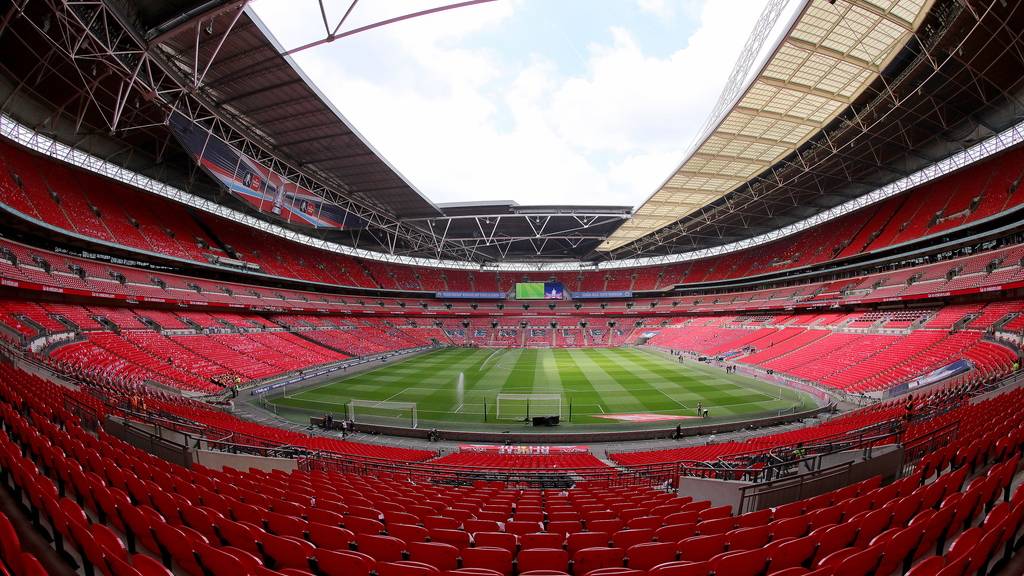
<point>651,475</point>
<point>792,488</point>
<point>765,466</point>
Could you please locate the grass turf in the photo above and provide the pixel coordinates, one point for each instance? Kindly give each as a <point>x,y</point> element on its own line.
<point>595,380</point>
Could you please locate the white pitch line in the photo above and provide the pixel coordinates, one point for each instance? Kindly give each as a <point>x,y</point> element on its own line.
<point>388,399</point>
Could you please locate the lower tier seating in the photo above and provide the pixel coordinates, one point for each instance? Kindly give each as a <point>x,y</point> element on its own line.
<point>118,510</point>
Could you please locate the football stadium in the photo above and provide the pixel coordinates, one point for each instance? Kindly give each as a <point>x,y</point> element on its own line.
<point>755,306</point>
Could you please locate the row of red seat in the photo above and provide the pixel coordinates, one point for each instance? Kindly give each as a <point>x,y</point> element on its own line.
<point>828,429</point>
<point>855,361</point>
<point>125,512</point>
<point>20,263</point>
<point>88,204</point>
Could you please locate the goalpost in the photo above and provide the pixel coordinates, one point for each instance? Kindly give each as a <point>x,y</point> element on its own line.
<point>366,410</point>
<point>525,406</point>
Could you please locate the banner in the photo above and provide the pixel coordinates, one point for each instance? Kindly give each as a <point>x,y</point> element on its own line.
<point>607,294</point>
<point>523,450</point>
<point>258,186</point>
<point>955,369</point>
<point>471,295</point>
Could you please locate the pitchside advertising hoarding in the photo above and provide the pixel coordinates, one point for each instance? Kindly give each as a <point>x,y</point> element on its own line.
<point>257,185</point>
<point>523,450</point>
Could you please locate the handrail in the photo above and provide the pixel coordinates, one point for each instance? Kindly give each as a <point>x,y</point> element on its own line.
<point>750,495</point>
<point>651,475</point>
<point>781,465</point>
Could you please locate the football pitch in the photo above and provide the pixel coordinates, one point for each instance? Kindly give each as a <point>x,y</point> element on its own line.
<point>610,386</point>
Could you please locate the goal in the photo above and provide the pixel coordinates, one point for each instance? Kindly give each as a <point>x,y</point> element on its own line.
<point>382,412</point>
<point>525,406</point>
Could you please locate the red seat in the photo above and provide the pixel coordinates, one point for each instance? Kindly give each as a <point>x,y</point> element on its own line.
<point>647,555</point>
<point>748,538</point>
<point>681,568</point>
<point>363,525</point>
<point>609,525</point>
<point>405,568</point>
<point>441,522</point>
<point>489,557</point>
<point>716,526</point>
<point>580,540</point>
<point>438,554</point>
<point>792,552</point>
<point>341,563</point>
<point>147,566</point>
<point>565,527</point>
<point>520,527</point>
<point>701,548</point>
<point>589,559</point>
<point>220,563</point>
<point>626,538</point>
<point>175,544</point>
<point>540,540</point>
<point>675,532</point>
<point>542,559</point>
<point>714,513</point>
<point>933,566</point>
<point>899,545</point>
<point>408,532</point>
<point>472,525</point>
<point>495,540</point>
<point>330,537</point>
<point>789,527</point>
<point>381,548</point>
<point>457,538</point>
<point>833,538</point>
<point>287,552</point>
<point>139,522</point>
<point>240,535</point>
<point>745,563</point>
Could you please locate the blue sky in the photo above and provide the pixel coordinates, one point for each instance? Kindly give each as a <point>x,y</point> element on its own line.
<point>536,101</point>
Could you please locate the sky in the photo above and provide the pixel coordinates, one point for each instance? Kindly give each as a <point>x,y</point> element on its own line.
<point>535,101</point>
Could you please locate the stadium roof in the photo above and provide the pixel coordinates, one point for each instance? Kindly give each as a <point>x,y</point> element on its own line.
<point>831,54</point>
<point>250,80</point>
<point>859,94</point>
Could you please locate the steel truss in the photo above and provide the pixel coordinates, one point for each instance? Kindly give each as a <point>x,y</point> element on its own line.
<point>94,38</point>
<point>91,36</point>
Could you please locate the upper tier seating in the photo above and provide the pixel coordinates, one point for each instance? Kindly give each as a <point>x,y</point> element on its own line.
<point>90,205</point>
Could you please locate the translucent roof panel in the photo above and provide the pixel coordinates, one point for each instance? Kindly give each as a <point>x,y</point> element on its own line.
<point>833,52</point>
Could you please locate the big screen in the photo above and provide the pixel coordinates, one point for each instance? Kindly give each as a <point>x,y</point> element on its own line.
<point>539,291</point>
<point>529,291</point>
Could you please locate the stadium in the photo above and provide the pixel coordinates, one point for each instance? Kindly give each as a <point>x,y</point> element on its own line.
<point>235,339</point>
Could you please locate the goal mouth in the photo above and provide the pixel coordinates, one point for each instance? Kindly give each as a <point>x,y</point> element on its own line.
<point>382,412</point>
<point>526,406</point>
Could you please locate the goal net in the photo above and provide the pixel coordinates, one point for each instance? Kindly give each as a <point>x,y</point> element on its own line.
<point>524,406</point>
<point>383,412</point>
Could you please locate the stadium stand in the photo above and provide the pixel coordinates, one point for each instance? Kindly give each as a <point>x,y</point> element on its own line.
<point>201,519</point>
<point>140,335</point>
<point>47,193</point>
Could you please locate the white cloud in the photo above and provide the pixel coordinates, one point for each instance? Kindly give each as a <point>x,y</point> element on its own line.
<point>465,124</point>
<point>660,8</point>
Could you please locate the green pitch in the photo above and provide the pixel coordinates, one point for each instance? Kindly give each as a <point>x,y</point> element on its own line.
<point>595,381</point>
